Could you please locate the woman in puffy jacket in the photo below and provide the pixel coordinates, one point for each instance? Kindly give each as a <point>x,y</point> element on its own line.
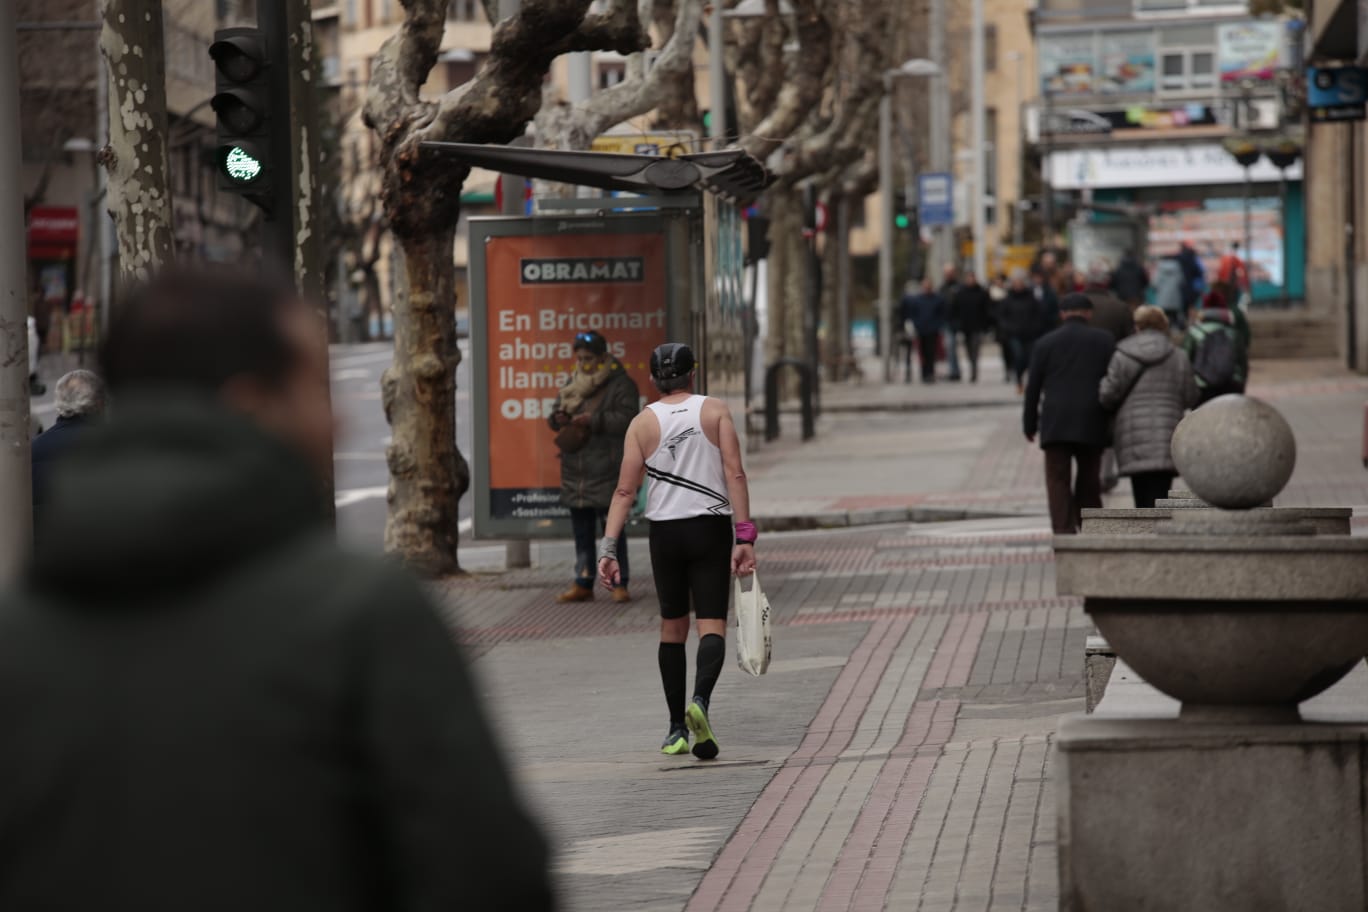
<point>1149,385</point>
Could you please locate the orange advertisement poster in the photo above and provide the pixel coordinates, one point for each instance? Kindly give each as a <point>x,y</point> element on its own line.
<point>541,291</point>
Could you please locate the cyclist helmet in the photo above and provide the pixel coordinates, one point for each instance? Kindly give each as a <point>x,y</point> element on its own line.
<point>671,360</point>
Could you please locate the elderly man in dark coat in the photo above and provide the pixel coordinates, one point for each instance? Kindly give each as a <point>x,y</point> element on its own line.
<point>1067,367</point>
<point>80,401</point>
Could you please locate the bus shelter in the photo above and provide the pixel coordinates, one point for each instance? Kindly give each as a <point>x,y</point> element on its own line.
<point>664,263</point>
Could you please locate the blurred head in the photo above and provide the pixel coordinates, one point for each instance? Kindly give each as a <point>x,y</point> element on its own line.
<point>1149,317</point>
<point>1099,272</point>
<point>1235,246</point>
<point>591,350</point>
<point>246,339</point>
<point>1017,279</point>
<point>1214,300</point>
<point>1047,262</point>
<point>672,367</point>
<point>970,279</point>
<point>949,271</point>
<point>80,394</point>
<point>1075,305</point>
<point>927,286</point>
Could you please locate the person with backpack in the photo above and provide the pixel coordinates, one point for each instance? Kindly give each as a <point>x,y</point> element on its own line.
<point>1148,387</point>
<point>1219,355</point>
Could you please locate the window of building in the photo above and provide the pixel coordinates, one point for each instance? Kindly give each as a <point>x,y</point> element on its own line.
<point>461,66</point>
<point>1187,59</point>
<point>350,12</point>
<point>989,48</point>
<point>611,72</point>
<point>384,12</point>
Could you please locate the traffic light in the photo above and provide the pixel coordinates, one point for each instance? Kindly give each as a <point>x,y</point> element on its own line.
<point>902,218</point>
<point>242,101</point>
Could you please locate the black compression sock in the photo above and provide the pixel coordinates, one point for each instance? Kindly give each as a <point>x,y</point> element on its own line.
<point>674,669</point>
<point>712,650</point>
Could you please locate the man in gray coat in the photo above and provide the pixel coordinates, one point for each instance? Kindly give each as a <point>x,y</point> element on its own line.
<point>1149,385</point>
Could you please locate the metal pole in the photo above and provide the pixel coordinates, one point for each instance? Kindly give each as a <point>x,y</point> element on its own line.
<point>943,239</point>
<point>1350,243</point>
<point>842,333</point>
<point>103,223</point>
<point>1282,217</point>
<point>886,230</point>
<point>1019,215</point>
<point>16,486</point>
<point>717,83</point>
<point>976,89</point>
<point>517,552</point>
<point>1046,191</point>
<point>1247,231</point>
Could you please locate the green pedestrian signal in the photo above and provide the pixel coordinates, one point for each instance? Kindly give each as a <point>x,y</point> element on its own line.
<point>246,154</point>
<point>901,220</point>
<point>241,165</point>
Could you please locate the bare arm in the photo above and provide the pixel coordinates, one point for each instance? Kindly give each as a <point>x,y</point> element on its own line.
<point>738,492</point>
<point>630,476</point>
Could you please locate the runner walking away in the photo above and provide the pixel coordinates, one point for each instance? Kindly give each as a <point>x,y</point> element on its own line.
<point>687,445</point>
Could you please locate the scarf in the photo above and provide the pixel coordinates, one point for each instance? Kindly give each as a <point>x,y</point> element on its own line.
<point>582,385</point>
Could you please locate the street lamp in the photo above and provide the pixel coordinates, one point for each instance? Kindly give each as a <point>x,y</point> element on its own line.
<point>912,68</point>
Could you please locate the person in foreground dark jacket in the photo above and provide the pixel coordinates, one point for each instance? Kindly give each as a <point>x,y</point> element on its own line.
<point>218,709</point>
<point>1067,367</point>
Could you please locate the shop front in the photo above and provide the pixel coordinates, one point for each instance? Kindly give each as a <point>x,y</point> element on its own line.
<point>1197,194</point>
<point>53,239</point>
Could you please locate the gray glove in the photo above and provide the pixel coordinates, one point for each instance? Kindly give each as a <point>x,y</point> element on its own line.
<point>608,548</point>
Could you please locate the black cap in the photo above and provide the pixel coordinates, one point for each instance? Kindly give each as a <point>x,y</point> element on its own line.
<point>671,360</point>
<point>592,341</point>
<point>1075,301</point>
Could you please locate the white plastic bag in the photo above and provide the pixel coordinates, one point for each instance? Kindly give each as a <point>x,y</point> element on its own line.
<point>753,639</point>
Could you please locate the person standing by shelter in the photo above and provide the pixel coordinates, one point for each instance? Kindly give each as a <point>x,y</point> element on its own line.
<point>590,418</point>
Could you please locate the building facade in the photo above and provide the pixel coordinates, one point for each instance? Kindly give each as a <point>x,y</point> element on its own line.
<point>1141,106</point>
<point>1337,239</point>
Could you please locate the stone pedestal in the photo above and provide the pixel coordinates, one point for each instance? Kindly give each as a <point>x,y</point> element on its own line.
<point>1158,814</point>
<point>1164,815</point>
<point>1323,520</point>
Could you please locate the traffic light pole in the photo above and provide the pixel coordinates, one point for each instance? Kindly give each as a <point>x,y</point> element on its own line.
<point>886,229</point>
<point>277,227</point>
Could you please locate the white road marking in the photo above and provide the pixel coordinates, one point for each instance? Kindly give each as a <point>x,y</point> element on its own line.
<point>356,495</point>
<point>351,373</point>
<point>687,847</point>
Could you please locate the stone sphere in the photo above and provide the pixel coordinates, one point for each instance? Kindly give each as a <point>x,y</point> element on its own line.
<point>1235,452</point>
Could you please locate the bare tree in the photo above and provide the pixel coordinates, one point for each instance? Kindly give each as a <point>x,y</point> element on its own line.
<point>560,125</point>
<point>57,86</point>
<point>421,193</point>
<point>678,108</point>
<point>139,190</point>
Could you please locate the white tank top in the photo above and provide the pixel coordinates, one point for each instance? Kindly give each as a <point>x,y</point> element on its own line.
<point>685,471</point>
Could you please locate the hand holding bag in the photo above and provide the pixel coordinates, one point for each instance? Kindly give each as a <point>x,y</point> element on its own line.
<point>754,641</point>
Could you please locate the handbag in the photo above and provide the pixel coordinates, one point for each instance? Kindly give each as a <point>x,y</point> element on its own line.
<point>754,640</point>
<point>574,437</point>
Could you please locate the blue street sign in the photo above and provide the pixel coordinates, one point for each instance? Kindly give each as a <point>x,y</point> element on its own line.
<point>935,200</point>
<point>1336,93</point>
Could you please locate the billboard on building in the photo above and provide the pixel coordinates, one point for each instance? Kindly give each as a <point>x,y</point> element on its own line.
<point>1068,64</point>
<point>532,292</point>
<point>1249,50</point>
<point>1127,63</point>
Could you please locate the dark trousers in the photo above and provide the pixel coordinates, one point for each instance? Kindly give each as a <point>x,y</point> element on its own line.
<point>907,345</point>
<point>926,352</point>
<point>1067,495</point>
<point>973,341</point>
<point>1020,349</point>
<point>588,524</point>
<point>1147,487</point>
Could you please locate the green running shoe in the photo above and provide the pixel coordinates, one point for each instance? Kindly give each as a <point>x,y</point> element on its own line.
<point>696,717</point>
<point>676,742</point>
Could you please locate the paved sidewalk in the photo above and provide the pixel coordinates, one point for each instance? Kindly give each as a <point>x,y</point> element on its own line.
<point>898,754</point>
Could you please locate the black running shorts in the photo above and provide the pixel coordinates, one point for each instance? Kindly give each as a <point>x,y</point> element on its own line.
<point>692,557</point>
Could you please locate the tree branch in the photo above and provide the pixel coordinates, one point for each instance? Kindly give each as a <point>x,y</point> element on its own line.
<point>804,87</point>
<point>402,65</point>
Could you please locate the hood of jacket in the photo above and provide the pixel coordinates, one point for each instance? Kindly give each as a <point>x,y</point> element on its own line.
<point>169,491</point>
<point>1149,347</point>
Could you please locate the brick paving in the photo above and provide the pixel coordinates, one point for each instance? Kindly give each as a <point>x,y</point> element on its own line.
<point>898,754</point>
